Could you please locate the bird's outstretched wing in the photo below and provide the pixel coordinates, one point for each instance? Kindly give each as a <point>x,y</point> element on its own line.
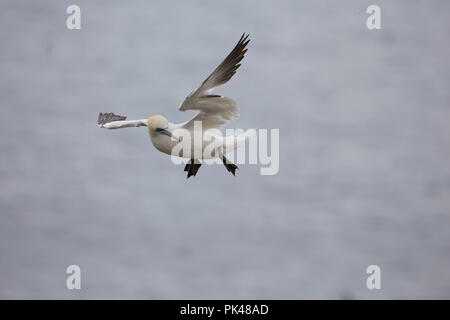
<point>110,120</point>
<point>215,110</point>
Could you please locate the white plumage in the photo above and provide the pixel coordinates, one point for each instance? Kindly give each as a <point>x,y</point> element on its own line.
<point>214,111</point>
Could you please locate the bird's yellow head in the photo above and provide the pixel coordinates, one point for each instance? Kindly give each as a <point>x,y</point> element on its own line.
<point>156,123</point>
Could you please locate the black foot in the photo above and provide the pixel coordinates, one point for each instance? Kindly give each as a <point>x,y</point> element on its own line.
<point>192,167</point>
<point>231,167</point>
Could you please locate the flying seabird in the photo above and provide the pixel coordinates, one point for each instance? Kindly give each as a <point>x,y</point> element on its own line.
<point>214,111</point>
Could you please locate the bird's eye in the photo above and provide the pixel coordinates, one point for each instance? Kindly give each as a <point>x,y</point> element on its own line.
<point>159,129</point>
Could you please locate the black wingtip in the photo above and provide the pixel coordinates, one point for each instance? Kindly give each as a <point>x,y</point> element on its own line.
<point>104,118</point>
<point>244,40</point>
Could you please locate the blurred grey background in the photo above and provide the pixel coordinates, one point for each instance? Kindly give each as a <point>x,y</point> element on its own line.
<point>364,139</point>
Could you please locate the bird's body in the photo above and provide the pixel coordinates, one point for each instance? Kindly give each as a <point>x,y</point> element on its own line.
<point>214,112</point>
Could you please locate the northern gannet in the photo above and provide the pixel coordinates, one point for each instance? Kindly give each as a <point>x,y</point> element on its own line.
<point>214,112</point>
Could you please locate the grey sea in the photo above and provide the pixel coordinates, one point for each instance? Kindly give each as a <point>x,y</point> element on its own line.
<point>364,174</point>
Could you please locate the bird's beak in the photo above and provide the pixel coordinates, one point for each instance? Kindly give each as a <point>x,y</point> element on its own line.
<point>168,133</point>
